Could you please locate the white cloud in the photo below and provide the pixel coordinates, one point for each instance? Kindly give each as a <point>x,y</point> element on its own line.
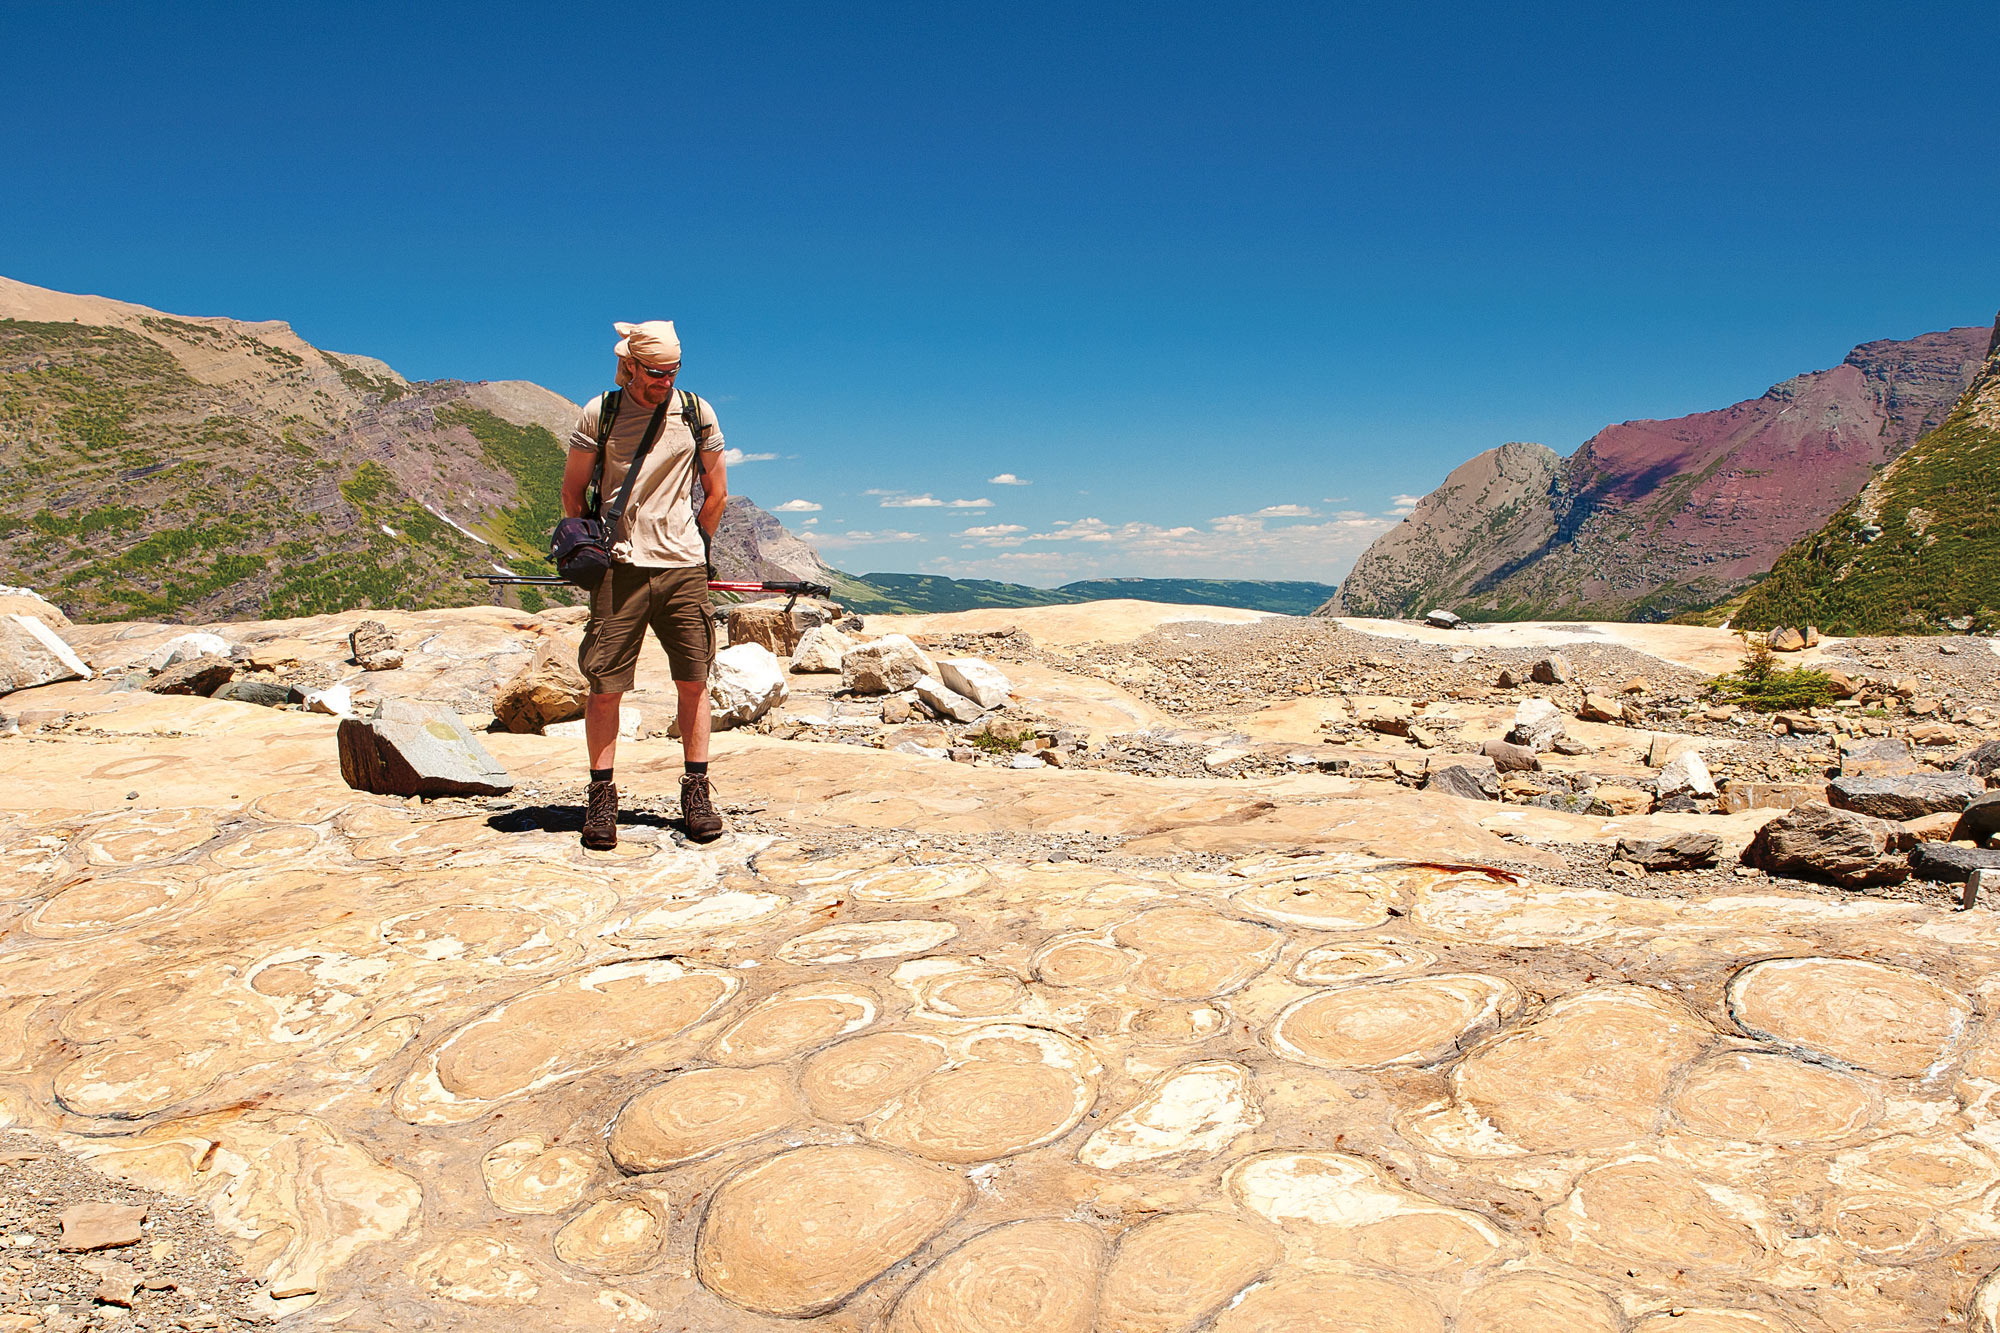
<point>1229,546</point>
<point>993,530</point>
<point>798,507</point>
<point>732,456</point>
<point>1284,511</point>
<point>909,501</point>
<point>809,521</point>
<point>1007,479</point>
<point>828,541</point>
<point>1403,504</point>
<point>981,503</point>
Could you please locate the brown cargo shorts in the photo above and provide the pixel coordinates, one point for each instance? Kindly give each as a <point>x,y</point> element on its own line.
<point>674,602</point>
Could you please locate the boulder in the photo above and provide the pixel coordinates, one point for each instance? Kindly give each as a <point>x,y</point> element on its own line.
<point>820,650</point>
<point>1511,680</point>
<point>885,665</point>
<point>1601,708</point>
<point>1552,670</point>
<point>1932,828</point>
<point>776,625</point>
<point>1443,619</point>
<point>334,701</point>
<point>548,690</point>
<point>1981,819</point>
<point>1785,639</point>
<point>265,693</point>
<point>27,602</point>
<point>100,1226</point>
<point>1687,775</point>
<point>1537,723</point>
<point>1663,749</point>
<point>374,647</point>
<point>1568,745</point>
<point>1876,758</point>
<point>746,681</point>
<point>1812,636</point>
<point>409,749</point>
<point>1842,684</point>
<point>1818,842</point>
<point>896,710</point>
<point>1934,733</point>
<point>1982,762</point>
<point>33,654</point>
<point>1681,851</point>
<point>185,648</point>
<point>1799,724</point>
<point>1465,782</point>
<point>1511,758</point>
<point>1907,795</point>
<point>943,701</point>
<point>1949,863</point>
<point>195,675</point>
<point>976,679</point>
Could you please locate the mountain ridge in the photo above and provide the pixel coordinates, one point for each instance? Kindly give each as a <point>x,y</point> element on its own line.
<point>1650,517</point>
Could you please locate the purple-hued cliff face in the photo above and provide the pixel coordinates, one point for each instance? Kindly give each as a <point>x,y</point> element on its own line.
<point>1651,516</point>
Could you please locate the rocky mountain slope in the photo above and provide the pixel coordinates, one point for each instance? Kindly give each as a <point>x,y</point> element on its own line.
<point>165,467</point>
<point>926,593</point>
<point>1650,518</point>
<point>1918,550</point>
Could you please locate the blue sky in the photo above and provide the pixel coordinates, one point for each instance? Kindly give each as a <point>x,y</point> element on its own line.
<point>1218,283</point>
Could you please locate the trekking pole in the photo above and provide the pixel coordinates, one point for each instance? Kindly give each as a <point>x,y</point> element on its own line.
<point>795,587</point>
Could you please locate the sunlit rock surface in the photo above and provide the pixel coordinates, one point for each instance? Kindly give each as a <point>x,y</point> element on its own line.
<point>1300,1056</point>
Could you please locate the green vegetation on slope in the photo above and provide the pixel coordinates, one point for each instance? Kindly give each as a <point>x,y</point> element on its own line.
<point>1295,598</point>
<point>534,458</point>
<point>899,594</point>
<point>1935,559</point>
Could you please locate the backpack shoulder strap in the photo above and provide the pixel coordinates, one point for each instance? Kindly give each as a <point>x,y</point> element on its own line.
<point>691,415</point>
<point>607,415</point>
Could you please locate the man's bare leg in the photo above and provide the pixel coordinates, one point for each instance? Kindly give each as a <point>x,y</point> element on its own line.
<point>693,719</point>
<point>600,728</point>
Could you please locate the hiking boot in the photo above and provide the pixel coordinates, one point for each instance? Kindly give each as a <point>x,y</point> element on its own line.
<point>600,817</point>
<point>698,808</point>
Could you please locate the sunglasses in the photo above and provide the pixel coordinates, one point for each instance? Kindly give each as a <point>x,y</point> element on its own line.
<point>665,373</point>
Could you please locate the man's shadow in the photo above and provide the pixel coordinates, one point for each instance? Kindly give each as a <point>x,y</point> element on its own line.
<point>569,819</point>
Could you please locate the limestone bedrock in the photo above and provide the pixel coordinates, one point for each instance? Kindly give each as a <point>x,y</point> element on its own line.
<point>1310,1052</point>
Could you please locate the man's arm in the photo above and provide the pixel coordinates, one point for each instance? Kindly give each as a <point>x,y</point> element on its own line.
<point>576,480</point>
<point>715,491</point>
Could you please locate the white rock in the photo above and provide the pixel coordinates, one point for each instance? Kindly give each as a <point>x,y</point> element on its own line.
<point>820,650</point>
<point>1687,773</point>
<point>746,682</point>
<point>1028,761</point>
<point>1537,724</point>
<point>885,665</point>
<point>629,722</point>
<point>33,654</point>
<point>927,751</point>
<point>335,700</point>
<point>976,679</point>
<point>187,647</point>
<point>946,702</point>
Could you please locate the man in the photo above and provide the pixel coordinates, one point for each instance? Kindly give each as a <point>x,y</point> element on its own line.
<point>659,570</point>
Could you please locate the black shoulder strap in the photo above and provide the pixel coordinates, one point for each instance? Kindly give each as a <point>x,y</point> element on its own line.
<point>617,510</point>
<point>691,415</point>
<point>607,414</point>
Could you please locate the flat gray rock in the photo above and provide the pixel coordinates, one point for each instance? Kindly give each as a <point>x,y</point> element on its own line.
<point>1877,758</point>
<point>408,749</point>
<point>1980,821</point>
<point>1948,863</point>
<point>1682,851</point>
<point>1465,782</point>
<point>1906,795</point>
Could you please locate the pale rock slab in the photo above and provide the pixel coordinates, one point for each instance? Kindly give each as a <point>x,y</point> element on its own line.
<point>795,1021</point>
<point>1171,1273</point>
<point>1535,1302</point>
<point>885,665</point>
<point>548,690</point>
<point>944,701</point>
<point>33,654</point>
<point>527,1176</point>
<point>797,1234</point>
<point>100,1226</point>
<point>408,749</point>
<point>745,682</point>
<point>1406,1021</point>
<point>28,602</point>
<point>976,679</point>
<point>1021,1277</point>
<point>1684,775</point>
<point>619,1234</point>
<point>699,1113</point>
<point>821,650</point>
<point>1005,1088</point>
<point>1855,1014</point>
<point>185,648</point>
<point>1188,1115</point>
<point>1537,725</point>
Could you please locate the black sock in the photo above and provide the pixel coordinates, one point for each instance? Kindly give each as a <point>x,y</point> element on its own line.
<point>696,768</point>
<point>600,775</point>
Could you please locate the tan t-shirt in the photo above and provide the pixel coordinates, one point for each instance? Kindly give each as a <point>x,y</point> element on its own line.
<point>659,524</point>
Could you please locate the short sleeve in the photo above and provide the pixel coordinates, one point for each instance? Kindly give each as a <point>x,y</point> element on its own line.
<point>584,437</point>
<point>711,429</point>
